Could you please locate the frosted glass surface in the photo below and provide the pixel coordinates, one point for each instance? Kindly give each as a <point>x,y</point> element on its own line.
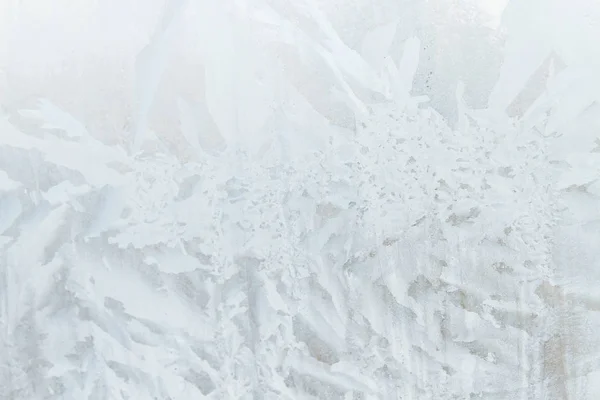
<point>307,199</point>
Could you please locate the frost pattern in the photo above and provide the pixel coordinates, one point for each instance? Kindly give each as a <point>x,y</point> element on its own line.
<point>319,231</point>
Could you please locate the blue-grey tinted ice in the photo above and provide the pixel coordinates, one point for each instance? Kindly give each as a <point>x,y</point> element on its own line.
<point>299,199</point>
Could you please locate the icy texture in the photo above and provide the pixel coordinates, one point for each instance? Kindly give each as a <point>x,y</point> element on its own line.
<point>301,199</point>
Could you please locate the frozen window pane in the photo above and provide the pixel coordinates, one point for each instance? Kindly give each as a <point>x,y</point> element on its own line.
<point>309,199</point>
